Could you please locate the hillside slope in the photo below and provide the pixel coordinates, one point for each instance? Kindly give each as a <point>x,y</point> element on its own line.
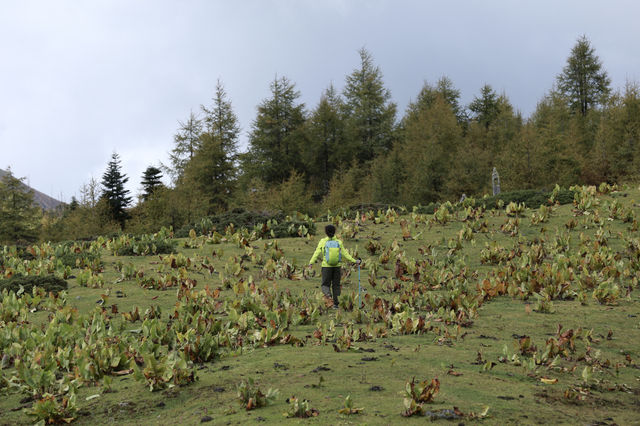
<point>41,199</point>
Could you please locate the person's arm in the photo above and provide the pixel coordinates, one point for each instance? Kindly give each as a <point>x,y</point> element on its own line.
<point>316,253</point>
<point>346,253</point>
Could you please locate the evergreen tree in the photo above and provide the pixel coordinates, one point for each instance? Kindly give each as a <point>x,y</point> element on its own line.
<point>583,81</point>
<point>629,141</point>
<point>114,192</point>
<point>618,138</point>
<point>554,132</point>
<point>74,204</point>
<point>451,95</point>
<point>370,113</point>
<point>151,180</point>
<point>521,165</point>
<point>211,174</point>
<point>447,91</point>
<point>187,142</point>
<point>277,135</point>
<point>502,130</point>
<point>432,138</point>
<point>211,171</point>
<point>326,151</point>
<point>221,122</point>
<point>346,188</point>
<point>485,108</point>
<point>290,196</point>
<point>19,217</point>
<point>388,173</point>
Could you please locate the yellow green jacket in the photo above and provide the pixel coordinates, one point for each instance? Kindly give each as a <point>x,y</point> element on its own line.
<point>320,252</point>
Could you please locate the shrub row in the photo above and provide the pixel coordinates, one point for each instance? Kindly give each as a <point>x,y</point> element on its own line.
<point>49,283</point>
<point>530,197</point>
<point>143,246</point>
<point>78,259</point>
<point>351,211</point>
<point>282,226</point>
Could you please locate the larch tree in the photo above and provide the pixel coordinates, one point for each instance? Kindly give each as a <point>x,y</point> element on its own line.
<point>446,90</point>
<point>485,107</point>
<point>210,174</point>
<point>186,143</point>
<point>277,134</point>
<point>369,111</point>
<point>221,121</point>
<point>325,152</point>
<point>19,217</point>
<point>583,81</point>
<point>432,137</point>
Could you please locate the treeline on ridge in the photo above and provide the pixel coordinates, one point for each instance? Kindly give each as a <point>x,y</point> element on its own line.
<point>354,147</point>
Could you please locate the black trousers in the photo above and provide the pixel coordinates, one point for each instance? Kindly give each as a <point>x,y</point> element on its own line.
<point>331,281</point>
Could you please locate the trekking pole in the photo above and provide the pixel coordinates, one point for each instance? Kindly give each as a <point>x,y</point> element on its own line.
<point>359,302</point>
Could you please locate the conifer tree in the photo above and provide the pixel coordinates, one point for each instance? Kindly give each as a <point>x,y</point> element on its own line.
<point>618,137</point>
<point>326,151</point>
<point>554,133</point>
<point>187,142</point>
<point>446,90</point>
<point>451,95</point>
<point>211,173</point>
<point>221,122</point>
<point>388,174</point>
<point>18,215</point>
<point>151,180</point>
<point>370,113</point>
<point>485,107</point>
<point>90,193</point>
<point>277,135</point>
<point>212,169</point>
<point>113,190</point>
<point>583,81</point>
<point>432,137</point>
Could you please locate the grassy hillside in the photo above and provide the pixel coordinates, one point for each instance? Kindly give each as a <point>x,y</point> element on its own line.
<point>508,316</point>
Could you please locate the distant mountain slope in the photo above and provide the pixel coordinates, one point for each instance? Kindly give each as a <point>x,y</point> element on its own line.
<point>41,199</point>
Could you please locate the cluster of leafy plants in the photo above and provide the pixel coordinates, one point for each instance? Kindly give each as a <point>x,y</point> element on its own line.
<point>44,259</point>
<point>142,245</point>
<point>354,210</point>
<point>529,197</point>
<point>79,259</point>
<point>428,209</point>
<point>419,393</point>
<point>251,397</point>
<point>49,283</point>
<point>266,224</point>
<point>430,291</point>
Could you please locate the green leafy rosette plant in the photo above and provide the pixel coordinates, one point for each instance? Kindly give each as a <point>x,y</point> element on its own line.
<point>348,408</point>
<point>417,394</point>
<point>300,408</point>
<point>250,396</point>
<point>50,410</point>
<point>166,371</point>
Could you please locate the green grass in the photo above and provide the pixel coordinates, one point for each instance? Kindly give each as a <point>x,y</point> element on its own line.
<point>466,360</point>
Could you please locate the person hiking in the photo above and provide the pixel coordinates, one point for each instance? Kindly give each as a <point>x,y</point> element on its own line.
<point>332,251</point>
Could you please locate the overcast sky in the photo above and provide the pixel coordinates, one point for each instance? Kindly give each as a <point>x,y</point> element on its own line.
<point>82,79</point>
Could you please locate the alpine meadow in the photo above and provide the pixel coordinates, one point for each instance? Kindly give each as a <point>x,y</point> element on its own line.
<point>496,281</point>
